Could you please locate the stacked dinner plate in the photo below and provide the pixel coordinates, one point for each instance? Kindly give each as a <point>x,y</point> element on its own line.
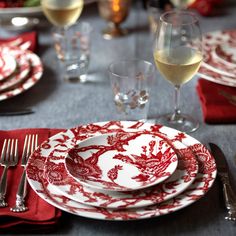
<point>219,63</point>
<point>120,170</point>
<point>20,69</point>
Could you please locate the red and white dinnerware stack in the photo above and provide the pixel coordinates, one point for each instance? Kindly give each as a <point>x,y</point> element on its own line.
<point>219,65</point>
<point>20,68</point>
<point>121,170</point>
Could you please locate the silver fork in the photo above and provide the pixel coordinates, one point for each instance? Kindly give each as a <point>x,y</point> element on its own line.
<point>9,157</point>
<point>30,144</point>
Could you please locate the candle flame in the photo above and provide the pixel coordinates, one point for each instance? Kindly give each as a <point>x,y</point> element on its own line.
<point>116,5</point>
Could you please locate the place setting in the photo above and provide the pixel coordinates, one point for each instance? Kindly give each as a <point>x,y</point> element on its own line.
<point>117,157</point>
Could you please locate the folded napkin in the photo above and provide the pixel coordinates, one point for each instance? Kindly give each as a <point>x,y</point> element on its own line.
<point>40,213</point>
<point>29,36</point>
<point>217,106</point>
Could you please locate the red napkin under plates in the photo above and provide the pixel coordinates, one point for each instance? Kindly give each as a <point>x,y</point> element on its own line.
<point>40,213</point>
<point>29,36</point>
<point>216,107</point>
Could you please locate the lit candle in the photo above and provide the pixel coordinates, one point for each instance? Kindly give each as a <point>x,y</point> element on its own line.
<point>116,5</point>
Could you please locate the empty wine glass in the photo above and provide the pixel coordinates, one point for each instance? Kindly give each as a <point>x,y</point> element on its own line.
<point>178,54</point>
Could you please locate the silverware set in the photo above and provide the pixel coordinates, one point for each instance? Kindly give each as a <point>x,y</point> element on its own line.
<point>9,158</point>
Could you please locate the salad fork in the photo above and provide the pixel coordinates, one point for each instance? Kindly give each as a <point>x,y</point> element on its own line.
<point>30,144</point>
<point>9,157</point>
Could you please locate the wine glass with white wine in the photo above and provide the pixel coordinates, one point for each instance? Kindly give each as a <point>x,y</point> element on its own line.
<point>177,53</point>
<point>62,13</point>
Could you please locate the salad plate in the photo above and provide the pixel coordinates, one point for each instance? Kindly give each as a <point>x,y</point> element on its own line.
<point>55,147</point>
<point>121,161</point>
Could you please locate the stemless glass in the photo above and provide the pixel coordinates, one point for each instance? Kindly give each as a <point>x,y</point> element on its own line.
<point>178,54</point>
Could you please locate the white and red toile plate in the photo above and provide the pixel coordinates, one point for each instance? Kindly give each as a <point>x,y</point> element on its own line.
<point>212,68</point>
<point>7,65</point>
<point>60,180</point>
<point>121,161</point>
<point>34,76</point>
<point>22,70</point>
<point>55,147</point>
<point>226,53</point>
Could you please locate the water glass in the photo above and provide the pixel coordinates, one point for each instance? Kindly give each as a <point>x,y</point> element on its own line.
<point>131,82</point>
<point>73,50</point>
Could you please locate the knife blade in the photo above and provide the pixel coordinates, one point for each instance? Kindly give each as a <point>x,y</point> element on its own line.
<point>15,112</point>
<point>223,172</point>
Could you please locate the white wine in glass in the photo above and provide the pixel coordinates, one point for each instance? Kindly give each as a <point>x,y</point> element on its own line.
<point>177,54</point>
<point>62,13</point>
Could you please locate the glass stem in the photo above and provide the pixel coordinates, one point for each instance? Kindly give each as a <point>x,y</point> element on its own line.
<point>177,113</point>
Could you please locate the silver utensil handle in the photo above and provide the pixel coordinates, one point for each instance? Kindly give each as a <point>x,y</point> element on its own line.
<point>3,183</point>
<point>22,190</point>
<point>3,188</point>
<point>229,196</point>
<point>20,196</point>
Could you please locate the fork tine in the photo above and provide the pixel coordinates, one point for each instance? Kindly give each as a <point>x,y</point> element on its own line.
<point>36,142</point>
<point>32,144</point>
<point>8,149</point>
<point>16,151</point>
<point>24,149</point>
<point>3,150</point>
<point>28,146</point>
<point>11,157</point>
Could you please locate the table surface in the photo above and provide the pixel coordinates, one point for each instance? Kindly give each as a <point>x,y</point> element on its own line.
<point>58,104</point>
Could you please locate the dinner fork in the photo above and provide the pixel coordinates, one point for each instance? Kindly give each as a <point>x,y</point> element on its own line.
<point>9,157</point>
<point>30,144</point>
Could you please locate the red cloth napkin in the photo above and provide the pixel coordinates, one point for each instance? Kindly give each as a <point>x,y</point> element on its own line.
<point>29,36</point>
<point>40,213</point>
<point>215,106</point>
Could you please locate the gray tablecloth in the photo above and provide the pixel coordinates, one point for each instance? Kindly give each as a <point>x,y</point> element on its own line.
<point>58,104</point>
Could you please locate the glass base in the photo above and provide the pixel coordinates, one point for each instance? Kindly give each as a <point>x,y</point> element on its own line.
<point>183,123</point>
<point>114,32</point>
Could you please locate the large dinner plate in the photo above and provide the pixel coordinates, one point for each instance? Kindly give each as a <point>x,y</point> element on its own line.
<point>60,180</point>
<point>39,182</point>
<point>33,77</point>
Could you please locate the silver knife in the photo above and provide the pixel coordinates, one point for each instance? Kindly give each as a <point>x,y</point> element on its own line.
<point>223,172</point>
<point>15,111</point>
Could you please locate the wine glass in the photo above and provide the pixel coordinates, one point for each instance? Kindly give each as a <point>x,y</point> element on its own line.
<point>62,13</point>
<point>177,53</point>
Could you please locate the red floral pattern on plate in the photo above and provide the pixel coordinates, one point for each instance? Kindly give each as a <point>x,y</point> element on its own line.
<point>177,183</point>
<point>38,181</point>
<point>33,77</point>
<point>121,161</point>
<point>212,68</point>
<point>22,70</point>
<point>7,65</point>
<point>226,52</point>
